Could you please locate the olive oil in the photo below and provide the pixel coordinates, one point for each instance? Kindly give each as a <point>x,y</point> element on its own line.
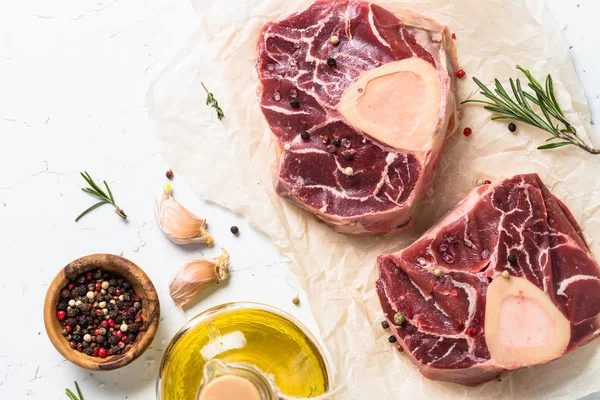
<point>248,333</point>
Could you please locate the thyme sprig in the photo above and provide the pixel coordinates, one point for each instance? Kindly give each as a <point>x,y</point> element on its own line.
<point>519,108</point>
<point>211,101</point>
<point>72,395</point>
<point>98,193</point>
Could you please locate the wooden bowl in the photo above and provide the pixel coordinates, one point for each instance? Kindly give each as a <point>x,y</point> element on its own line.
<point>143,288</point>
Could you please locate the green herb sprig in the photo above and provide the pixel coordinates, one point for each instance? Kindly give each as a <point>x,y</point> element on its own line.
<point>519,108</point>
<point>72,395</point>
<point>97,192</point>
<point>211,101</point>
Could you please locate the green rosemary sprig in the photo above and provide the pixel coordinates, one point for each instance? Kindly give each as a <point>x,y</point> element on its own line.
<point>518,108</point>
<point>98,193</point>
<point>211,101</point>
<point>72,395</point>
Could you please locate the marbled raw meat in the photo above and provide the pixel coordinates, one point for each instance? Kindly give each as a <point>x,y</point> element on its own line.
<point>386,184</point>
<point>514,225</point>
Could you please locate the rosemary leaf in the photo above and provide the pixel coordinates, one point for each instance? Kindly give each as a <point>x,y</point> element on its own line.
<point>98,204</point>
<point>553,145</point>
<point>109,192</point>
<point>71,395</point>
<point>76,384</point>
<point>517,106</point>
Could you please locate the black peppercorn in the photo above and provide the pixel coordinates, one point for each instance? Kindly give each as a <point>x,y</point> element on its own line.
<point>120,304</point>
<point>305,136</point>
<point>512,258</point>
<point>65,293</point>
<point>81,279</point>
<point>132,328</point>
<point>295,103</point>
<point>113,314</point>
<point>126,285</point>
<point>118,319</point>
<point>331,149</point>
<point>88,351</point>
<point>126,296</point>
<point>234,229</point>
<point>348,156</point>
<point>82,322</point>
<point>336,142</point>
<point>81,290</point>
<point>131,337</point>
<point>113,282</point>
<point>76,338</point>
<point>384,324</point>
<point>100,339</point>
<point>392,339</point>
<point>61,306</point>
<point>112,339</point>
<point>331,61</point>
<point>98,274</point>
<point>512,127</point>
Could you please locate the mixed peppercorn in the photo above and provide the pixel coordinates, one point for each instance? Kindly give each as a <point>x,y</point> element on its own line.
<point>100,313</point>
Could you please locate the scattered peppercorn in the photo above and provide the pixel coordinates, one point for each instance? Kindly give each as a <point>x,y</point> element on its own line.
<point>336,142</point>
<point>454,36</point>
<point>296,300</point>
<point>512,127</point>
<point>331,62</point>
<point>392,339</point>
<point>305,136</point>
<point>512,258</point>
<point>325,139</point>
<point>467,131</point>
<point>331,149</point>
<point>334,39</point>
<point>505,274</point>
<point>88,324</point>
<point>170,174</point>
<point>347,155</point>
<point>234,229</point>
<point>460,74</point>
<point>437,272</point>
<point>295,103</point>
<point>399,318</point>
<point>487,182</point>
<point>470,331</point>
<point>385,325</point>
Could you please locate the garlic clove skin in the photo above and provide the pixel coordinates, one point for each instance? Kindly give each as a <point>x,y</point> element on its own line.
<point>178,223</point>
<point>197,275</point>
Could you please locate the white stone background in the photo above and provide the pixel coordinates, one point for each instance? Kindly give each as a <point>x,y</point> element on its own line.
<point>73,77</point>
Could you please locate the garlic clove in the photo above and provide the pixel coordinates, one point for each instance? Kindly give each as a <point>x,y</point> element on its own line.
<point>178,223</point>
<point>197,275</point>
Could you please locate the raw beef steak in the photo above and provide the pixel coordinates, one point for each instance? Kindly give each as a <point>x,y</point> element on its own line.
<point>361,102</point>
<point>504,280</point>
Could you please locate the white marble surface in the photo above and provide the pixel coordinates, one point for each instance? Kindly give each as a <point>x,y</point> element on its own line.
<point>73,76</point>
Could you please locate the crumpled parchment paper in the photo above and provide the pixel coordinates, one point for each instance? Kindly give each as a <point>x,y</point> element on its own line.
<point>230,163</point>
